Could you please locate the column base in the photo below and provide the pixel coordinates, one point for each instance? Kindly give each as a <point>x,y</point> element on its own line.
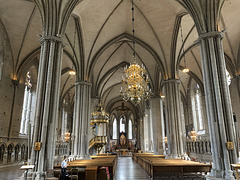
<point>218,175</point>
<point>30,176</point>
<point>40,175</point>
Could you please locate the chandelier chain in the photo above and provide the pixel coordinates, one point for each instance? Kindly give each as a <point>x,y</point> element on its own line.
<point>133,30</point>
<point>184,59</point>
<point>183,51</point>
<point>72,72</point>
<point>135,80</point>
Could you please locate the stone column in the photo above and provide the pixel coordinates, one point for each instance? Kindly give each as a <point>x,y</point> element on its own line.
<point>145,130</point>
<point>55,14</point>
<point>81,120</point>
<point>142,134</point>
<point>219,111</point>
<point>157,115</point>
<point>47,100</point>
<point>150,131</point>
<point>138,136</point>
<point>175,131</point>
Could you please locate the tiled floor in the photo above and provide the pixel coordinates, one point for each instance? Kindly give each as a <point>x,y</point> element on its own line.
<point>10,172</point>
<point>127,169</point>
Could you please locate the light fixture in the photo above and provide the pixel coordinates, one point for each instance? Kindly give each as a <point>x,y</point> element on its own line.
<point>67,136</point>
<point>72,73</point>
<point>193,135</point>
<point>135,80</point>
<point>162,96</point>
<point>185,69</point>
<point>165,139</point>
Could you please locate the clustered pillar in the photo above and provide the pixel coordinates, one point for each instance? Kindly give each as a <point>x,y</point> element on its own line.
<point>81,120</point>
<point>217,97</point>
<point>47,96</point>
<point>219,110</point>
<point>157,125</point>
<point>174,124</point>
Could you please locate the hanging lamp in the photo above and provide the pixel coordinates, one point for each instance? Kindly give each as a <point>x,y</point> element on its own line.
<point>135,82</point>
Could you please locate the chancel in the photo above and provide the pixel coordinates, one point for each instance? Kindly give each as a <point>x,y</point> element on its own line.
<point>125,89</point>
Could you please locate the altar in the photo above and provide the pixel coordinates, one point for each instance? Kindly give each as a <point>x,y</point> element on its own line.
<point>123,152</point>
<point>122,146</point>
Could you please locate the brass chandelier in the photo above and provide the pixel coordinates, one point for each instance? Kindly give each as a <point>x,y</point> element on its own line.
<point>135,80</point>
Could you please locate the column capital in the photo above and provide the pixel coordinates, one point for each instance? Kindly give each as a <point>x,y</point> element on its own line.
<point>211,35</point>
<point>205,13</point>
<point>83,83</point>
<point>56,38</point>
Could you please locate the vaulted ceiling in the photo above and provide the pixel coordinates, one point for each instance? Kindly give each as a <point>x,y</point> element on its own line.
<point>98,43</point>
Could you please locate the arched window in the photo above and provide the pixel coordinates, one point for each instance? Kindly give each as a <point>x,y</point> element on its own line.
<point>23,152</point>
<point>17,149</point>
<point>122,124</point>
<point>27,101</point>
<point>2,150</point>
<point>130,129</point>
<point>9,155</point>
<point>64,122</point>
<point>197,108</point>
<point>114,128</point>
<point>228,78</point>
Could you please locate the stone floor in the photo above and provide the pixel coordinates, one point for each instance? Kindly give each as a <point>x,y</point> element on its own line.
<point>10,172</point>
<point>127,169</point>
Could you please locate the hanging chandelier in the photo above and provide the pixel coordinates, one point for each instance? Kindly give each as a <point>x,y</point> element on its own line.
<point>135,80</point>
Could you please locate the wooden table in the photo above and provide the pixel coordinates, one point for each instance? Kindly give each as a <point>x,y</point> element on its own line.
<point>237,167</point>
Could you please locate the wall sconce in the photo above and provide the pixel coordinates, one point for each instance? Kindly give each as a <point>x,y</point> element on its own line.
<point>193,135</point>
<point>67,136</point>
<point>72,73</point>
<point>165,139</point>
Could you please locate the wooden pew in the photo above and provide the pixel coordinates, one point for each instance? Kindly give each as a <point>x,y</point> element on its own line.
<point>156,165</point>
<point>177,166</point>
<point>97,161</point>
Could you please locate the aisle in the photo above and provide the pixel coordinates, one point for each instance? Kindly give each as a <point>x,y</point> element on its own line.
<point>127,169</point>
